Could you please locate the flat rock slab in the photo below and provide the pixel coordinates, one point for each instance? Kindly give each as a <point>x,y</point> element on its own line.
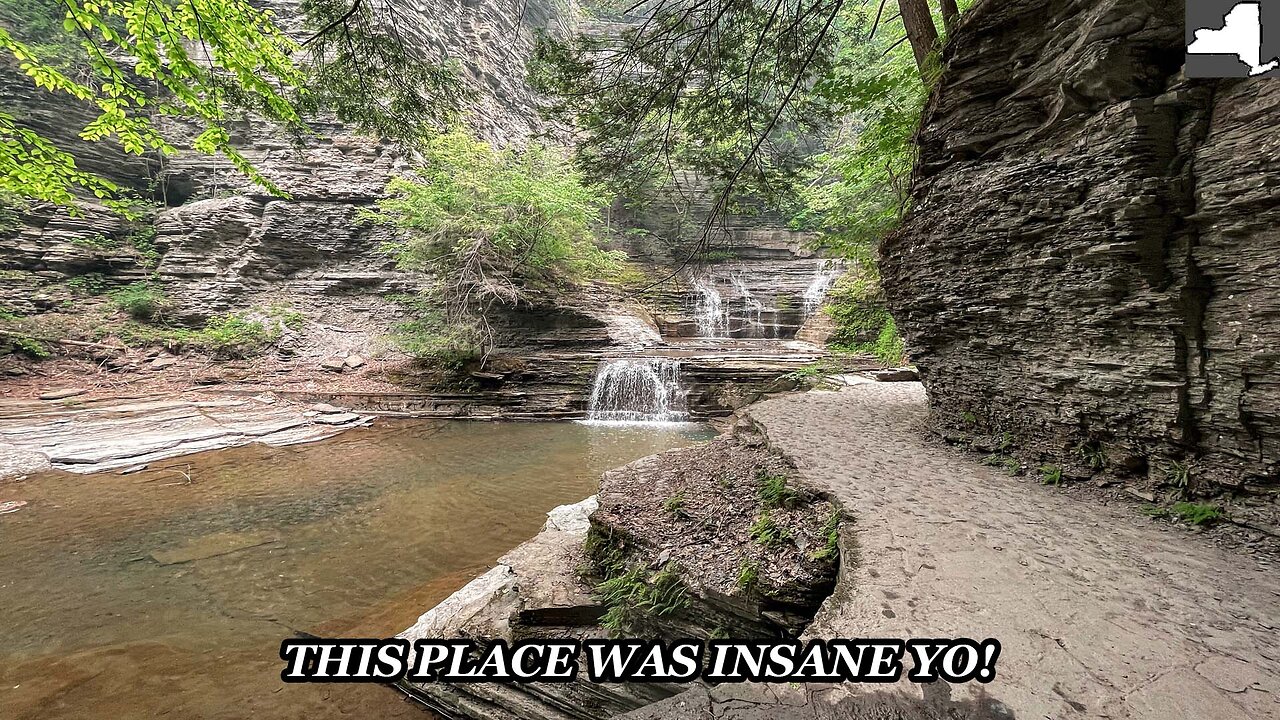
<point>62,393</point>
<point>1101,613</point>
<point>105,437</point>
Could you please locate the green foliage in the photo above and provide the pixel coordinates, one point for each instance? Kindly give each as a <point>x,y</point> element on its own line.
<point>97,241</point>
<point>968,418</point>
<point>774,491</point>
<point>87,285</point>
<point>490,226</point>
<point>1050,475</point>
<point>830,549</point>
<point>1197,513</point>
<point>748,574</point>
<point>1012,466</point>
<point>372,77</point>
<point>633,597</point>
<point>28,346</point>
<point>1092,454</point>
<point>674,506</point>
<point>230,335</point>
<point>140,300</point>
<point>143,242</point>
<point>478,215</point>
<point>1177,474</point>
<point>767,533</point>
<point>863,323</point>
<point>211,62</point>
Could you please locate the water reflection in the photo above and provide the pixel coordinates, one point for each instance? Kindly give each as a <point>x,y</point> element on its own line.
<point>167,592</point>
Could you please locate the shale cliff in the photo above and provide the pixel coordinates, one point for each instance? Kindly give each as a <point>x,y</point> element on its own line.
<point>1088,272</point>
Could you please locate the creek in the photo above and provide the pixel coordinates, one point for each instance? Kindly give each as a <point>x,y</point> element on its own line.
<point>167,592</point>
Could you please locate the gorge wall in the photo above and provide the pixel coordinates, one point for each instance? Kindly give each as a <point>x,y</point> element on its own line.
<point>1089,270</point>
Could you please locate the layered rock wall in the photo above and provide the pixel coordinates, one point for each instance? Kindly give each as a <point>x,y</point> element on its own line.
<point>1089,268</point>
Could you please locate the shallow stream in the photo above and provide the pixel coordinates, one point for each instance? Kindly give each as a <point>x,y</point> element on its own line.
<point>166,593</point>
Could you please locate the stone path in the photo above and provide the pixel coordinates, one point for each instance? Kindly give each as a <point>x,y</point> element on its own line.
<point>1101,613</point>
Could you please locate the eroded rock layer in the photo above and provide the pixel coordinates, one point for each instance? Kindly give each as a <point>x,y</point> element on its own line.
<point>1090,263</point>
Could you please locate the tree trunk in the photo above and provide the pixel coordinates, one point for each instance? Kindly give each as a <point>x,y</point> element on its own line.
<point>921,32</point>
<point>950,16</point>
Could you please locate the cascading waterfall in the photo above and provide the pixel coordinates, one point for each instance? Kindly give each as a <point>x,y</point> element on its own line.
<point>817,290</point>
<point>637,390</point>
<point>753,307</point>
<point>708,310</point>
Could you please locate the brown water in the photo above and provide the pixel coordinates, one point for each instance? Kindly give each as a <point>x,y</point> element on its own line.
<point>146,595</point>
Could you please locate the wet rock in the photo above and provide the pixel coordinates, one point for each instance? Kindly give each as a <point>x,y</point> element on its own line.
<point>340,418</point>
<point>62,393</point>
<point>211,546</point>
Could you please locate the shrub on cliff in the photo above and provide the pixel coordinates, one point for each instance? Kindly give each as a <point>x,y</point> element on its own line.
<point>490,227</point>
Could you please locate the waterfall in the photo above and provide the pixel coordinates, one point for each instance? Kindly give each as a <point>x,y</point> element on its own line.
<point>754,309</point>
<point>637,390</point>
<point>817,290</point>
<point>708,309</point>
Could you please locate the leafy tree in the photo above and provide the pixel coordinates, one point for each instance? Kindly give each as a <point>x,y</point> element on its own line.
<point>491,226</point>
<point>208,62</point>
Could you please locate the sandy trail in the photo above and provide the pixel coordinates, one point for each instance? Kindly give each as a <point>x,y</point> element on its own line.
<point>1101,613</point>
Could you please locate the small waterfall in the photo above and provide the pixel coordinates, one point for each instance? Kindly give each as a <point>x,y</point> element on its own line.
<point>708,309</point>
<point>817,290</point>
<point>632,331</point>
<point>637,390</point>
<point>754,309</point>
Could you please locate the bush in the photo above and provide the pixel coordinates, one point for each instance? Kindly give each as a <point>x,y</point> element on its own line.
<point>863,324</point>
<point>140,301</point>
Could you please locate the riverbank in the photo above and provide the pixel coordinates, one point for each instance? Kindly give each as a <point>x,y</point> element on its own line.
<point>1100,610</point>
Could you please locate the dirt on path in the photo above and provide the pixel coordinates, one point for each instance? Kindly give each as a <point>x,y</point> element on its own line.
<point>1101,612</point>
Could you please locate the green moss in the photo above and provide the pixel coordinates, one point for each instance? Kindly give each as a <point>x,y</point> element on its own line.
<point>863,323</point>
<point>1197,513</point>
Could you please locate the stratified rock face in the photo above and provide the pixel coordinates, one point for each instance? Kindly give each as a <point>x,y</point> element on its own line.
<point>1092,253</point>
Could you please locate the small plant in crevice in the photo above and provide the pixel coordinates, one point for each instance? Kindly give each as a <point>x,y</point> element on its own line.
<point>87,285</point>
<point>674,506</point>
<point>1177,474</point>
<point>765,532</point>
<point>968,418</point>
<point>774,491</point>
<point>830,549</point>
<point>994,460</point>
<point>1197,513</point>
<point>1012,466</point>
<point>140,301</point>
<point>1006,441</point>
<point>1050,475</point>
<point>748,574</point>
<point>1092,454</point>
<point>633,597</point>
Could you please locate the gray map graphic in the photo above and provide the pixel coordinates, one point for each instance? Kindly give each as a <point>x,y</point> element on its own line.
<point>1211,15</point>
